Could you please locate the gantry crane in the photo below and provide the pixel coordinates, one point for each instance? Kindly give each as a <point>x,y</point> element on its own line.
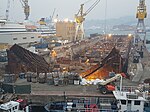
<point>80,18</point>
<point>141,15</point>
<point>26,7</point>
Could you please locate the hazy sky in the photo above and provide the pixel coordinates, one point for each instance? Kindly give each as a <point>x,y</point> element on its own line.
<point>67,8</point>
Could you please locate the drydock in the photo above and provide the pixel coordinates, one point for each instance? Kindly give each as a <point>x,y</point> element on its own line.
<point>47,71</point>
<point>62,80</point>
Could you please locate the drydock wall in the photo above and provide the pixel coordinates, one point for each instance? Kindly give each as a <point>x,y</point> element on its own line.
<point>17,89</point>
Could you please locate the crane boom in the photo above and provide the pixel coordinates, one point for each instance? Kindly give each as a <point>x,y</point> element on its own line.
<point>92,7</point>
<point>80,18</point>
<point>26,7</point>
<point>117,76</point>
<point>53,14</point>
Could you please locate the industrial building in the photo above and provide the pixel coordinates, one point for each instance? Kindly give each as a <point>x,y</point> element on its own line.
<point>66,30</point>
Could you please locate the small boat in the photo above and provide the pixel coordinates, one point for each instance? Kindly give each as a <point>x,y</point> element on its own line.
<point>71,107</point>
<point>56,107</point>
<point>14,106</point>
<point>130,101</point>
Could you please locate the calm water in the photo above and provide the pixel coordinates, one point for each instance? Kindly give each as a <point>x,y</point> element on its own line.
<point>88,32</point>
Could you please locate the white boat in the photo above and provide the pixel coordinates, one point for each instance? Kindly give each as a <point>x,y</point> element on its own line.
<point>12,106</point>
<point>130,101</point>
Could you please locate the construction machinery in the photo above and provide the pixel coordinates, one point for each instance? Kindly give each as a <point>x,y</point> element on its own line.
<point>80,18</point>
<point>108,85</point>
<point>140,28</point>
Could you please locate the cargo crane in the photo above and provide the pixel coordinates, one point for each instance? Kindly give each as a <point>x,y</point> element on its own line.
<point>52,16</point>
<point>140,28</point>
<point>80,18</point>
<point>26,7</point>
<point>51,23</point>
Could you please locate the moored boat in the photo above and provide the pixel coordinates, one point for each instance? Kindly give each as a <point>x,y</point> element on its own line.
<point>14,106</point>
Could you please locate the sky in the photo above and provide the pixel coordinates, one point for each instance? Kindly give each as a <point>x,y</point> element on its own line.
<point>68,8</point>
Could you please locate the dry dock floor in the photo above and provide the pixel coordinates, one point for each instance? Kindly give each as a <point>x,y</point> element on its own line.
<point>86,90</point>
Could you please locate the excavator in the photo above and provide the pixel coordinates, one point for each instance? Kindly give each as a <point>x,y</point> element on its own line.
<point>108,85</point>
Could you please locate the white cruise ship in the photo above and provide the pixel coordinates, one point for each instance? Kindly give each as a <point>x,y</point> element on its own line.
<point>17,33</point>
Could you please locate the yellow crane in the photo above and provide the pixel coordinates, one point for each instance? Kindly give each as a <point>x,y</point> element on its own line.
<point>141,10</point>
<point>53,53</point>
<point>80,18</point>
<point>141,15</point>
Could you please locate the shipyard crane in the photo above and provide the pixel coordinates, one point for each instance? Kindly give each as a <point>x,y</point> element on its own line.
<point>80,18</point>
<point>51,23</point>
<point>26,7</point>
<point>141,15</point>
<point>52,16</point>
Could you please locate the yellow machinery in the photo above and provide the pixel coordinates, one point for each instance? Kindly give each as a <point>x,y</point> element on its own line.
<point>80,17</point>
<point>42,21</point>
<point>140,28</point>
<point>141,10</point>
<point>53,54</point>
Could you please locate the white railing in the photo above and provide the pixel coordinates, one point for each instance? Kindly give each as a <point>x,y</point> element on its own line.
<point>129,88</point>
